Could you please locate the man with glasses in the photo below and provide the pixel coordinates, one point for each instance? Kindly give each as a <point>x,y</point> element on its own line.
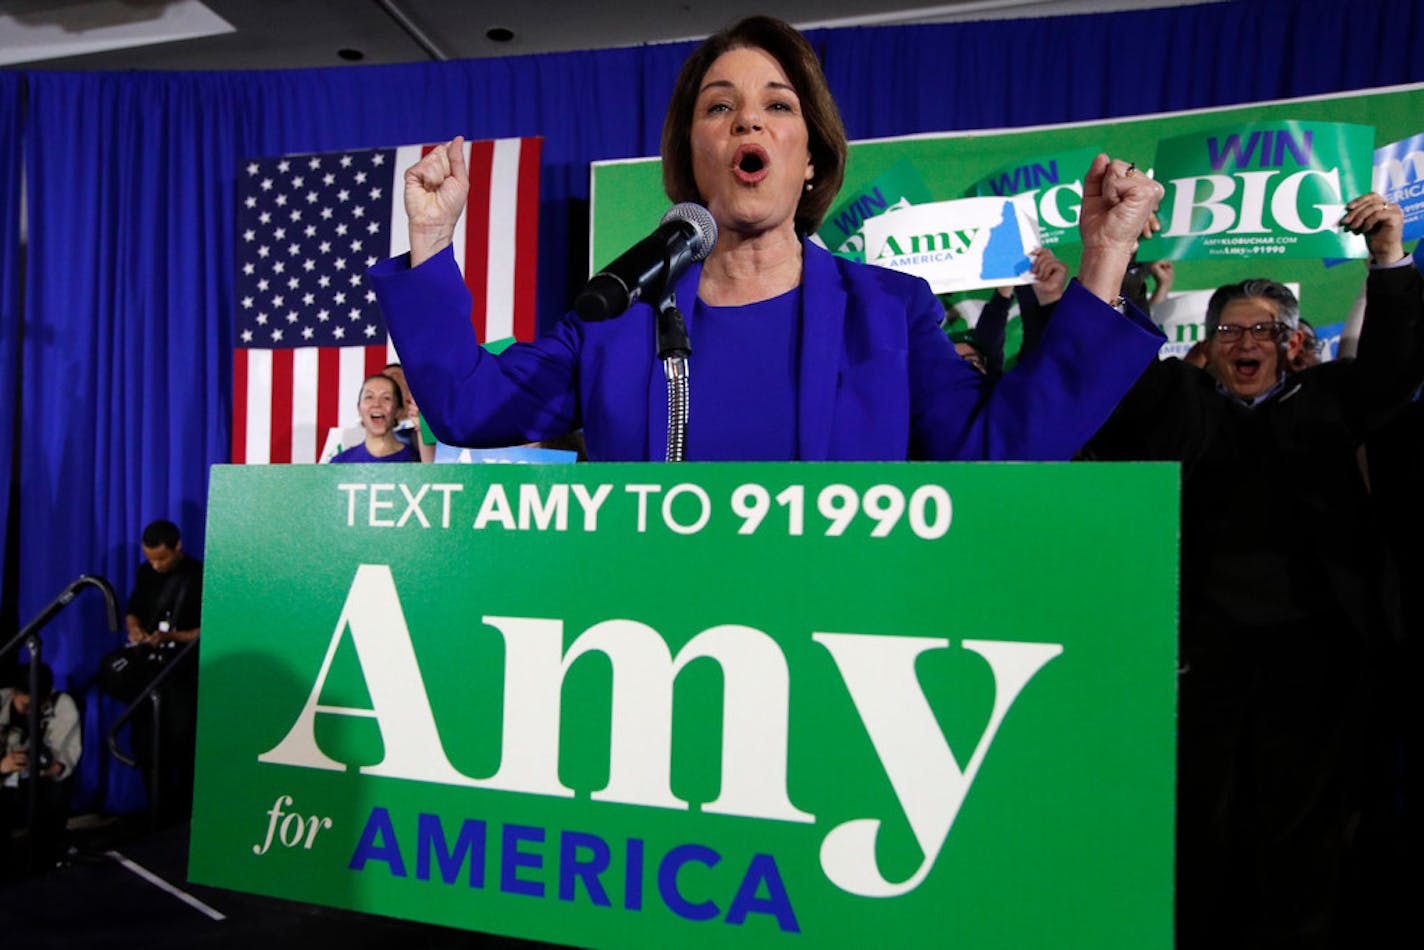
<point>1253,331</point>
<point>1284,593</point>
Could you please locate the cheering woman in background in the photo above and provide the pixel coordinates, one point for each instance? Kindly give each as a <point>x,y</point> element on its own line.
<point>799,354</point>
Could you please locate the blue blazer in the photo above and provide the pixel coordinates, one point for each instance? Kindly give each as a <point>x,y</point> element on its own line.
<point>878,379</point>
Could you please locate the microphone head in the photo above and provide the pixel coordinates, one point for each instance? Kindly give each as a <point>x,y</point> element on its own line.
<point>704,229</point>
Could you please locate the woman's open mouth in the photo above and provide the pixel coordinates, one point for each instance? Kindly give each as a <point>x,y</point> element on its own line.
<point>750,164</point>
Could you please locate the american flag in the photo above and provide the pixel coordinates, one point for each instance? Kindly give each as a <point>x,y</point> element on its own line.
<point>307,327</point>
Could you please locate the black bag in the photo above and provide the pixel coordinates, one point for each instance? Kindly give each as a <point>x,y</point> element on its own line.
<point>123,673</point>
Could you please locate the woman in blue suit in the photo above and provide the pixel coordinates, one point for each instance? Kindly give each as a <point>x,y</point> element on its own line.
<point>798,354</point>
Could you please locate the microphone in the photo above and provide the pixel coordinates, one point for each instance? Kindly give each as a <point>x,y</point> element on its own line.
<point>686,234</point>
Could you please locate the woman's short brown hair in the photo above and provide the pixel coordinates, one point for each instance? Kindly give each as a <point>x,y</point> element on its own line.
<point>825,133</point>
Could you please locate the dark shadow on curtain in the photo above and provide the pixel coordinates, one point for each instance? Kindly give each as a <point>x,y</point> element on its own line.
<point>11,123</point>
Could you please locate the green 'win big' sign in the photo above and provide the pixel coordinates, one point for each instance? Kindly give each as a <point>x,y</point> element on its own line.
<point>698,705</point>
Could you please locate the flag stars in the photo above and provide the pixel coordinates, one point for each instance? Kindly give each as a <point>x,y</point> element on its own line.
<point>247,303</point>
<point>262,319</point>
<point>324,247</point>
<point>346,161</point>
<point>339,333</point>
<point>339,263</point>
<point>307,333</point>
<point>373,227</point>
<point>277,302</point>
<point>264,251</point>
<point>250,201</point>
<point>312,197</point>
<point>323,281</point>
<point>378,159</point>
<point>265,217</point>
<point>262,285</point>
<point>376,193</point>
<point>291,316</point>
<point>293,283</point>
<point>340,297</point>
<point>266,184</point>
<point>360,178</point>
<point>308,299</point>
<point>249,235</point>
<point>281,201</point>
<point>328,179</point>
<point>370,330</point>
<point>276,335</point>
<point>323,315</point>
<point>313,163</point>
<point>371,261</point>
<point>358,212</point>
<point>247,336</point>
<point>354,314</point>
<point>355,279</point>
<point>308,265</point>
<point>284,166</point>
<point>278,267</point>
<point>343,195</point>
<point>294,249</point>
<point>326,214</point>
<point>341,230</point>
<point>294,215</point>
<point>251,169</point>
<point>309,230</point>
<point>370,296</point>
<point>279,234</point>
<point>248,269</point>
<point>355,245</point>
<point>298,181</point>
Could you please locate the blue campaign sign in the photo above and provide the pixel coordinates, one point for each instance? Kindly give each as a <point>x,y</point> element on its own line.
<point>1399,176</point>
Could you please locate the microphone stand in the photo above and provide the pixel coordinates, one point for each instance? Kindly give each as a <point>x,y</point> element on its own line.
<point>673,349</point>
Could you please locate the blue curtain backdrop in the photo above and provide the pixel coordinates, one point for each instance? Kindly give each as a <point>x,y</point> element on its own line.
<point>126,349</point>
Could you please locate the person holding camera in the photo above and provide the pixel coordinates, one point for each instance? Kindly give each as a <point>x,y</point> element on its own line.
<point>52,759</point>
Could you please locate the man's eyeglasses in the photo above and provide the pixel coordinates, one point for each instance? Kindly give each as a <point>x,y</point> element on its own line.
<point>1269,330</point>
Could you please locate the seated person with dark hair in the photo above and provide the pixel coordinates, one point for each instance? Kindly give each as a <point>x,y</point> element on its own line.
<point>381,407</point>
<point>53,757</point>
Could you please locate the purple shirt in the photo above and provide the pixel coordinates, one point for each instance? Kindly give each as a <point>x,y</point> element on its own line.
<point>744,365</point>
<point>358,453</point>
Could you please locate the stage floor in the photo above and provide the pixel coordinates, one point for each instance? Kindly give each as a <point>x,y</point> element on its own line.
<point>127,891</point>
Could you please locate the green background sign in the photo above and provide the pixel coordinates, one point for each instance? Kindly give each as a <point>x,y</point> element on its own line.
<point>1276,189</point>
<point>951,164</point>
<point>912,703</point>
<point>1056,183</point>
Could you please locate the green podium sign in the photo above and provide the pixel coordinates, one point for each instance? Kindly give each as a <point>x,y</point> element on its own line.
<point>697,705</point>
